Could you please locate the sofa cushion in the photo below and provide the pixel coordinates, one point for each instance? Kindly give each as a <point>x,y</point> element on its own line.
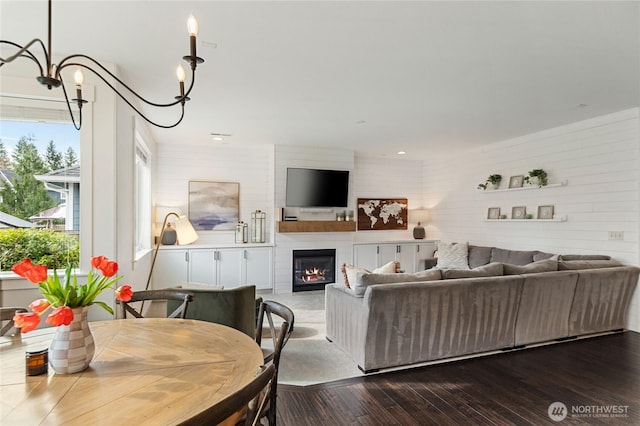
<point>453,256</point>
<point>513,257</point>
<point>363,280</point>
<point>584,257</point>
<point>479,256</point>
<point>490,270</point>
<point>546,265</point>
<point>570,265</point>
<point>540,255</point>
<point>349,272</point>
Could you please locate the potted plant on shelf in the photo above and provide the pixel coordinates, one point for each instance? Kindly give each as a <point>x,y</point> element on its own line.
<point>537,177</point>
<point>494,180</point>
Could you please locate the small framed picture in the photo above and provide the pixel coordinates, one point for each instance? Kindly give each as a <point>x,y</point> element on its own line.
<point>518,212</point>
<point>493,213</point>
<point>545,212</point>
<point>516,181</point>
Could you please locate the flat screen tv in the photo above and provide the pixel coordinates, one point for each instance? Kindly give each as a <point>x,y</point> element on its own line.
<point>317,188</point>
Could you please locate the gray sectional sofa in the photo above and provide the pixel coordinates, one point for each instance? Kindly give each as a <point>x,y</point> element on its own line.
<point>402,319</point>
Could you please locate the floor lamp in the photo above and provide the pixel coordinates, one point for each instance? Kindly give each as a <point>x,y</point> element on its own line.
<point>185,234</point>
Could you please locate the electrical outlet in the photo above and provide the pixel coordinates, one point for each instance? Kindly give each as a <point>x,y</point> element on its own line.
<point>616,235</point>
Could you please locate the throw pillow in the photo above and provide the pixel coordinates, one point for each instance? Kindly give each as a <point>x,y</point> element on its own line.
<point>349,272</point>
<point>200,286</point>
<point>546,265</point>
<point>490,270</point>
<point>571,265</point>
<point>364,280</point>
<point>479,256</point>
<point>453,256</point>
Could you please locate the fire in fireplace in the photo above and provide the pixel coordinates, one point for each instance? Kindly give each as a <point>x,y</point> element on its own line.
<point>312,269</point>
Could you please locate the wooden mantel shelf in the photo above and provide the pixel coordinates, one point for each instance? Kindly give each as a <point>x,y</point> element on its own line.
<point>316,226</point>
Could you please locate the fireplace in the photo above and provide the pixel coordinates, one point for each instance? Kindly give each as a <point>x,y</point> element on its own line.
<point>312,269</point>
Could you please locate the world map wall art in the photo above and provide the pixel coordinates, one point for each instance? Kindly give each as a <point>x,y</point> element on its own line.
<point>382,214</point>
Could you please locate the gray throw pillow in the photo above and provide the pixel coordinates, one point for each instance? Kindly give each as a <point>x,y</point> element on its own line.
<point>490,270</point>
<point>546,265</point>
<point>513,257</point>
<point>363,280</point>
<point>479,256</point>
<point>540,255</point>
<point>571,265</point>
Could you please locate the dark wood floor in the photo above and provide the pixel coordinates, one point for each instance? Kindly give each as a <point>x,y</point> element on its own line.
<point>509,388</point>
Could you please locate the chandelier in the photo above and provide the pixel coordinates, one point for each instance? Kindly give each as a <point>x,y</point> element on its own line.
<point>51,74</point>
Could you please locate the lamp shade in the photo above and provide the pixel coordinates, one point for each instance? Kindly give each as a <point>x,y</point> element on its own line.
<point>185,231</point>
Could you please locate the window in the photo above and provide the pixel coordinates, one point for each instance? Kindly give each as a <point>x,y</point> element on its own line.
<point>142,197</point>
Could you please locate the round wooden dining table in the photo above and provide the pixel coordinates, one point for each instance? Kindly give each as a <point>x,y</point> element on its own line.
<point>145,371</point>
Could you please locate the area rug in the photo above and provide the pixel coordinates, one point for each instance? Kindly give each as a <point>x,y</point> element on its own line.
<point>308,357</point>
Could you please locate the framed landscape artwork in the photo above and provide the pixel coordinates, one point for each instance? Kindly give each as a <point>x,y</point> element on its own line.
<point>376,214</point>
<point>214,206</point>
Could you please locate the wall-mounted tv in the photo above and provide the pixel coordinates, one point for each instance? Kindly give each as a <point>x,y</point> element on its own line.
<point>317,188</point>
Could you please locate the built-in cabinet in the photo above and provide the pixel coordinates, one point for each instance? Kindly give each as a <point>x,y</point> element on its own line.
<point>408,253</point>
<point>227,266</point>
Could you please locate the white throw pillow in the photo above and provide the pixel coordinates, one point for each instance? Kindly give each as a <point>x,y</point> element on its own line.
<point>388,268</point>
<point>453,256</point>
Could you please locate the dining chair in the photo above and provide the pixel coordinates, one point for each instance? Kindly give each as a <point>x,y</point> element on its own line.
<point>150,295</point>
<point>279,336</point>
<point>244,406</point>
<point>6,314</point>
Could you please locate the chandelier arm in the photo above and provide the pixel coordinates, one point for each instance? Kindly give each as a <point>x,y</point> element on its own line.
<point>66,98</point>
<point>63,64</point>
<point>24,52</point>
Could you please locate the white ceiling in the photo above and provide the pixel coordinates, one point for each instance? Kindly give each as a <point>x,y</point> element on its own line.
<point>376,77</point>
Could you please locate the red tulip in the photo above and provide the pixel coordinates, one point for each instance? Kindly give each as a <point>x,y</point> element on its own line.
<point>39,306</point>
<point>60,316</point>
<point>98,261</point>
<point>26,321</point>
<point>34,273</point>
<point>109,268</point>
<point>124,293</point>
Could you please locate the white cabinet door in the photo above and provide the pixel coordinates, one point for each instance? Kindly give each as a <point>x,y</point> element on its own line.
<point>229,264</point>
<point>386,253</point>
<point>171,268</point>
<point>365,256</point>
<point>258,267</point>
<point>202,266</point>
<point>406,255</point>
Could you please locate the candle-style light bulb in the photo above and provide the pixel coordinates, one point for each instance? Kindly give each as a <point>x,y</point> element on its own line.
<point>78,77</point>
<point>192,25</point>
<point>180,73</point>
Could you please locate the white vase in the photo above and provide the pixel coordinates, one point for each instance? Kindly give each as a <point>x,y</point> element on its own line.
<point>72,347</point>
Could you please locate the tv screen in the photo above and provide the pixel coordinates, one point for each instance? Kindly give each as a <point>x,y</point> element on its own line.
<point>317,188</point>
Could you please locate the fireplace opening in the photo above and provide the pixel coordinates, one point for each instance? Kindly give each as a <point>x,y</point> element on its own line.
<point>312,269</point>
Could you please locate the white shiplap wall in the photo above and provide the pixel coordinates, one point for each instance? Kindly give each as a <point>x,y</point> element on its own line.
<point>600,160</point>
<point>388,178</point>
<point>251,166</point>
<point>318,158</point>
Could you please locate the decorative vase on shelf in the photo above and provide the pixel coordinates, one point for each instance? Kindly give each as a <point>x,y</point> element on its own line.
<point>72,347</point>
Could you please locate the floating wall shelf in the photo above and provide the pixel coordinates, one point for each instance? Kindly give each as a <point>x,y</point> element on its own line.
<point>559,219</point>
<point>551,185</point>
<point>316,226</point>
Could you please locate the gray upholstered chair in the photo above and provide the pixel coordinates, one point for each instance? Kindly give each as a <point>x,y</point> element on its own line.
<point>181,298</point>
<point>233,307</point>
<point>6,319</point>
